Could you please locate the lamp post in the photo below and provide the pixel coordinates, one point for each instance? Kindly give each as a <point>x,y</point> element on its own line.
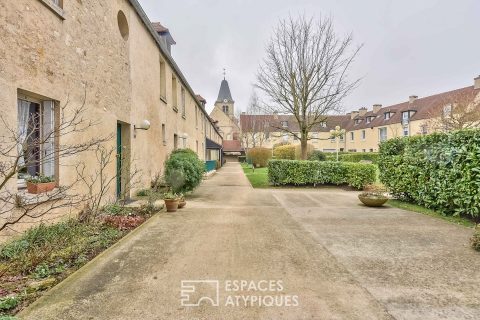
<point>337,134</point>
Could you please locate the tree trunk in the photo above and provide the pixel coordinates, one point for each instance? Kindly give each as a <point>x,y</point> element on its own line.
<point>303,145</point>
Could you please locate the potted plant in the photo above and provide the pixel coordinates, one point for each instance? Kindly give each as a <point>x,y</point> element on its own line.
<point>182,203</point>
<point>171,201</point>
<point>373,196</point>
<point>40,184</point>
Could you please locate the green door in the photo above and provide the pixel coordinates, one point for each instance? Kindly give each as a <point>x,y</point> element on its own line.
<point>119,160</point>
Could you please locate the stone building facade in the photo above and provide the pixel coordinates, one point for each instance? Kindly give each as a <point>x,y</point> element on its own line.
<point>108,56</point>
<point>365,129</point>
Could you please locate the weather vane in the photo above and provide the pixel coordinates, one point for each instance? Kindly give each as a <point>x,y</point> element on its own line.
<point>224,73</point>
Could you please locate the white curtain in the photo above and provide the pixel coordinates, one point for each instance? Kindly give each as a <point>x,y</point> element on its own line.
<point>48,154</point>
<point>23,118</point>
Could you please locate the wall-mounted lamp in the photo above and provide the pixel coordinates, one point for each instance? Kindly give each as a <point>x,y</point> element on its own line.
<point>145,125</point>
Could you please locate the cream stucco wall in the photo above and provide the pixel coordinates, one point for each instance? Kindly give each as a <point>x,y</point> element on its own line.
<point>84,53</point>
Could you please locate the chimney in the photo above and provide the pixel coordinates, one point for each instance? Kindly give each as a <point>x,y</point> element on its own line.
<point>275,115</point>
<point>477,83</point>
<point>362,111</point>
<point>353,114</point>
<point>377,107</point>
<point>412,98</point>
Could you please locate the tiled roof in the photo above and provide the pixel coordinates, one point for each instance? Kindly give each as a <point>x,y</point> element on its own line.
<point>423,108</point>
<point>232,146</point>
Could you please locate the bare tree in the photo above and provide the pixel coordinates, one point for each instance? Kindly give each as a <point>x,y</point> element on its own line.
<point>304,73</point>
<point>461,111</point>
<point>98,182</point>
<point>34,145</point>
<point>255,126</point>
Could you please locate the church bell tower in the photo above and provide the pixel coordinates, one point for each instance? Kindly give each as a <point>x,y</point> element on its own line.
<point>224,100</point>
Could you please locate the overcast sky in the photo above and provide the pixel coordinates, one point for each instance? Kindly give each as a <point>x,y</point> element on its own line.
<point>410,47</point>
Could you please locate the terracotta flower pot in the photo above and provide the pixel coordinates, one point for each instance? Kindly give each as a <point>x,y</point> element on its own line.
<point>182,203</point>
<point>372,200</point>
<point>171,204</point>
<point>37,188</point>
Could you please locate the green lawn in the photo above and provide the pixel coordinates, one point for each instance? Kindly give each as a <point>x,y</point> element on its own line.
<point>416,208</point>
<point>258,177</point>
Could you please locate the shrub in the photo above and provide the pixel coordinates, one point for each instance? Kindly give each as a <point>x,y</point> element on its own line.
<point>298,151</point>
<point>123,222</point>
<point>242,159</point>
<point>259,156</point>
<point>317,155</point>
<point>183,170</point>
<point>8,303</point>
<point>302,172</point>
<point>438,171</point>
<point>278,144</point>
<point>286,151</point>
<point>55,246</point>
<point>354,156</point>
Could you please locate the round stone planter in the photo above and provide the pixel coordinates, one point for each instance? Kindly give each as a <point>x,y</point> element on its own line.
<point>372,200</point>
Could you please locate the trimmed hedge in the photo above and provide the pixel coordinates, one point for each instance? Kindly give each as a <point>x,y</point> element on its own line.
<point>304,172</point>
<point>284,152</point>
<point>317,155</point>
<point>439,171</point>
<point>259,156</point>
<point>354,156</point>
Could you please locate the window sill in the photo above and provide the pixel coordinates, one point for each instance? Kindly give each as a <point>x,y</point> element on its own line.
<point>33,199</point>
<point>162,98</point>
<point>175,109</point>
<point>184,117</point>
<point>54,8</point>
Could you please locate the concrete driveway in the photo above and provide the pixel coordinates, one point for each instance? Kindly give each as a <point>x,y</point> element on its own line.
<point>303,254</point>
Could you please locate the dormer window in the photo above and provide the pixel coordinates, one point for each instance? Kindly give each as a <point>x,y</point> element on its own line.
<point>387,115</point>
<point>358,121</point>
<point>323,124</point>
<point>406,115</point>
<point>285,124</point>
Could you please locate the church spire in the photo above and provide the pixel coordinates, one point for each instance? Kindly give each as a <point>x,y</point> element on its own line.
<point>224,95</point>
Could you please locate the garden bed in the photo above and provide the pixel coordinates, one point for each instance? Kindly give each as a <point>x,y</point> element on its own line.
<point>45,255</point>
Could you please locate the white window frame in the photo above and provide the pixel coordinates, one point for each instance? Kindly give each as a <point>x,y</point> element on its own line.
<point>380,136</point>
<point>46,127</point>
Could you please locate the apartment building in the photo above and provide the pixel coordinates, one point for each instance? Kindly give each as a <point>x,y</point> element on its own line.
<point>364,128</point>
<point>109,57</point>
